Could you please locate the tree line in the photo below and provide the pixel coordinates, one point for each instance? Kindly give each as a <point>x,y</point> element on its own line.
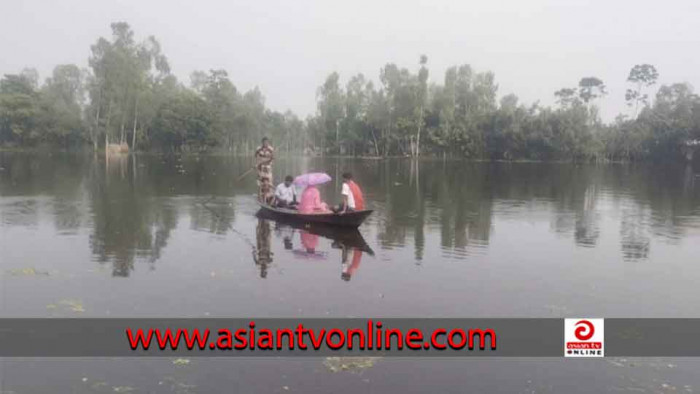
<point>128,96</point>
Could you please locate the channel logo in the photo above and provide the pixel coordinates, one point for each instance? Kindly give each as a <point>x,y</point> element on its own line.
<point>584,337</point>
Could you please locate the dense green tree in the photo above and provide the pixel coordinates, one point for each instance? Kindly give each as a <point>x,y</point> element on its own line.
<point>331,108</point>
<point>122,71</point>
<point>184,122</point>
<point>19,110</point>
<point>358,130</point>
<point>674,119</point>
<point>61,101</point>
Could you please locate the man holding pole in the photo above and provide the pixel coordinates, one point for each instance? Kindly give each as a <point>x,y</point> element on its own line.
<point>264,156</point>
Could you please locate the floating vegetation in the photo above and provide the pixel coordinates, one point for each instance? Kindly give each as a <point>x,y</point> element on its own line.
<point>122,389</point>
<point>352,364</point>
<point>73,305</point>
<point>98,385</point>
<point>27,272</point>
<point>181,361</point>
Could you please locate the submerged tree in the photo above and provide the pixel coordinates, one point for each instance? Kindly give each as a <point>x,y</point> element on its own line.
<point>121,71</point>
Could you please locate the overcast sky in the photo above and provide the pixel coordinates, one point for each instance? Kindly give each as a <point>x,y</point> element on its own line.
<point>287,47</point>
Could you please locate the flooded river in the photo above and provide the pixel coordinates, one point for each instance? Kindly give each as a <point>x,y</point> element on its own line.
<point>170,236</point>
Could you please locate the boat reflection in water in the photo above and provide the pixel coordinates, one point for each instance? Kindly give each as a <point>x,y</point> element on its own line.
<point>348,241</point>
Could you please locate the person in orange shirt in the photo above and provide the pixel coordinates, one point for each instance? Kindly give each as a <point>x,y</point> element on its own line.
<point>353,200</point>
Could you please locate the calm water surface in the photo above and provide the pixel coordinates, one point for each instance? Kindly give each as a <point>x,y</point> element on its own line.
<point>178,236</point>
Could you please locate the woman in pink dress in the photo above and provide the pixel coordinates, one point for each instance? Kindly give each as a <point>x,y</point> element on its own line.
<point>311,201</point>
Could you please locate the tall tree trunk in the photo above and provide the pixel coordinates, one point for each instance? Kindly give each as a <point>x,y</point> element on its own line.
<point>384,142</point>
<point>636,104</point>
<point>337,135</point>
<point>387,140</point>
<point>376,146</point>
<point>96,130</point>
<point>387,143</point>
<point>109,119</point>
<point>420,124</point>
<point>136,114</point>
<point>122,137</point>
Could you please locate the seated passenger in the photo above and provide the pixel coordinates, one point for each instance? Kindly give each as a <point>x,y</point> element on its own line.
<point>352,196</point>
<point>285,194</point>
<point>311,201</point>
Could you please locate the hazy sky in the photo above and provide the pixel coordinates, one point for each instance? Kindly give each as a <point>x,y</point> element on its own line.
<point>287,47</point>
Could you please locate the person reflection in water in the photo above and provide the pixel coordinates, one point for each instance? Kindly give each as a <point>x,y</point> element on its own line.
<point>287,235</point>
<point>309,241</point>
<point>348,269</point>
<point>309,245</point>
<point>262,254</point>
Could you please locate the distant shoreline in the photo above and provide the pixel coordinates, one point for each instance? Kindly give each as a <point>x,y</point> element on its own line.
<point>432,158</point>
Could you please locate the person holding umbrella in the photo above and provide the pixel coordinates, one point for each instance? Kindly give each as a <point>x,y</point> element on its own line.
<point>311,197</point>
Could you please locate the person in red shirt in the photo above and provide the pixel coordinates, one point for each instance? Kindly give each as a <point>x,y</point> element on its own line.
<point>353,200</point>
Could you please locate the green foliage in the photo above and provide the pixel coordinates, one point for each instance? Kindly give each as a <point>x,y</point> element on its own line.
<point>19,110</point>
<point>183,122</point>
<point>29,117</point>
<point>129,96</point>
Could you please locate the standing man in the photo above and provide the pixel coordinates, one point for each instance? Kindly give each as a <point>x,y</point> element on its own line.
<point>264,156</point>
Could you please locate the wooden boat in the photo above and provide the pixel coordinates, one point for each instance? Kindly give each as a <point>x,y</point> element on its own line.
<point>348,219</point>
<point>342,236</point>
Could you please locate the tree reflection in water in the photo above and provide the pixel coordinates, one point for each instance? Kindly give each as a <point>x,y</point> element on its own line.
<point>130,208</point>
<point>127,221</point>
